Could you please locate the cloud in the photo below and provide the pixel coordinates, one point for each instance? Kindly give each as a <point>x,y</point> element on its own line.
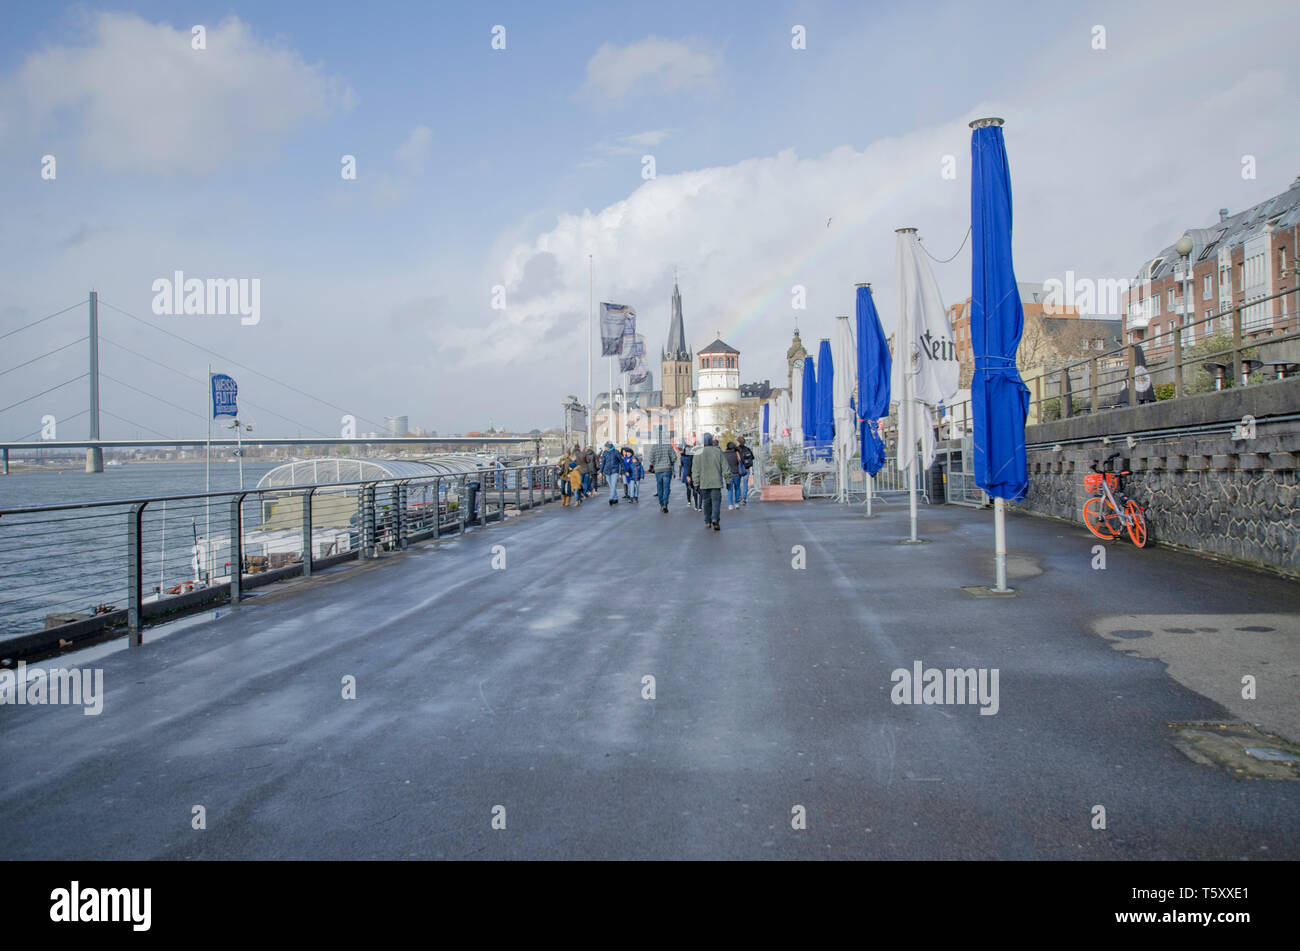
<point>136,97</point>
<point>413,152</point>
<point>633,144</point>
<point>650,66</point>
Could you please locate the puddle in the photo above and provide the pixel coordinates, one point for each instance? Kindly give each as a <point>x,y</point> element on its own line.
<point>1239,748</point>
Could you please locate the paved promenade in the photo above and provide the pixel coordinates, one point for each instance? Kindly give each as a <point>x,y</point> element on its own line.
<point>522,687</point>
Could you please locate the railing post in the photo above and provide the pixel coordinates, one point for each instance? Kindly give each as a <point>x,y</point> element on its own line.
<point>531,480</point>
<point>437,507</point>
<point>1132,375</point>
<point>134,574</point>
<point>1037,402</point>
<point>519,497</point>
<point>371,547</point>
<point>462,500</point>
<point>1067,398</point>
<point>1093,370</point>
<point>236,548</point>
<point>1236,346</point>
<point>399,517</point>
<point>501,495</point>
<point>308,543</point>
<point>1178,358</point>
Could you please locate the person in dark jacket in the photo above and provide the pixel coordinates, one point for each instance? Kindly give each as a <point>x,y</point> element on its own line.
<point>733,476</point>
<point>611,467</point>
<point>635,473</point>
<point>588,466</point>
<point>692,494</point>
<point>746,467</point>
<point>709,472</point>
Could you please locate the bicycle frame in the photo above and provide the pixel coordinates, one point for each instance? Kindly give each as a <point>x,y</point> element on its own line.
<point>1117,498</point>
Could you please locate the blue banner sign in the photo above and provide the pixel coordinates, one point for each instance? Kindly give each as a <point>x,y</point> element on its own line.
<point>224,391</point>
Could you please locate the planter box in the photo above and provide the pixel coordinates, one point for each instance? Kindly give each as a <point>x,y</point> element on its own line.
<point>782,493</point>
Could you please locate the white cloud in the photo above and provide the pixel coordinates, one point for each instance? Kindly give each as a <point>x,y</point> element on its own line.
<point>413,152</point>
<point>652,65</point>
<point>633,144</point>
<point>135,96</point>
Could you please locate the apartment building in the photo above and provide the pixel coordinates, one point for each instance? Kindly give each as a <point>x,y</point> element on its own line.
<point>1233,263</point>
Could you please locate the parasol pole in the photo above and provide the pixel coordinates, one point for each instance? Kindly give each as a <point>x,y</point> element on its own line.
<point>905,343</point>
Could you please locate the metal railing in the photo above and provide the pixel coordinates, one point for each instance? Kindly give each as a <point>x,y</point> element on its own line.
<point>1105,375</point>
<point>820,478</point>
<point>81,568</point>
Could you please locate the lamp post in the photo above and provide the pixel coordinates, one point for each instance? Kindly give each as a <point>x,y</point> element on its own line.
<point>1184,247</point>
<point>239,428</point>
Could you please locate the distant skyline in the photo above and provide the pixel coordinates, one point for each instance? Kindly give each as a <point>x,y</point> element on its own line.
<point>485,172</point>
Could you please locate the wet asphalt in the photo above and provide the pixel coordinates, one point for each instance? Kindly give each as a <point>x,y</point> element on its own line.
<point>517,695</point>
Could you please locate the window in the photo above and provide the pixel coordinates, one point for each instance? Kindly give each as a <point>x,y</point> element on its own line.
<point>1155,306</point>
<point>1171,298</point>
<point>1207,289</point>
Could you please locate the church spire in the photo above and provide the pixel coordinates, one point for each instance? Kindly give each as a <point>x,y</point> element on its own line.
<point>676,348</point>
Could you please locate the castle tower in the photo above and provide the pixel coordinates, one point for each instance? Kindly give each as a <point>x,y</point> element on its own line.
<point>677,378</point>
<point>719,386</point>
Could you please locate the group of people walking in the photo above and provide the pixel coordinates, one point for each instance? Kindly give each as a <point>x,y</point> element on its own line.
<point>705,470</point>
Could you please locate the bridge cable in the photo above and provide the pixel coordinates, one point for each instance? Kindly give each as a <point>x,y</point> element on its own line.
<point>47,354</point>
<point>135,424</point>
<point>45,318</point>
<point>43,392</point>
<point>237,363</point>
<point>37,432</point>
<point>195,379</point>
<point>152,397</point>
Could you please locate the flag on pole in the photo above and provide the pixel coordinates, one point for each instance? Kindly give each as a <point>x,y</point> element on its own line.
<point>224,395</point>
<point>615,319</point>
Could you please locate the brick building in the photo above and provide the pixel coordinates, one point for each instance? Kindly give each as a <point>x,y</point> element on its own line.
<point>1234,262</point>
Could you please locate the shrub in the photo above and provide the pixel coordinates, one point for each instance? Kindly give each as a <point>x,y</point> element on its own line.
<point>788,462</point>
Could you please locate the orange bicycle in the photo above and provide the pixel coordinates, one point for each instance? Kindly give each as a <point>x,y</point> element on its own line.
<point>1109,513</point>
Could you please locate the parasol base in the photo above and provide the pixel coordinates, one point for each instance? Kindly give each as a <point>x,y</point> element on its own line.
<point>908,541</point>
<point>984,591</point>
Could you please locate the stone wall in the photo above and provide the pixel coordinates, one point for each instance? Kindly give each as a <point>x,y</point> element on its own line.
<point>1205,491</point>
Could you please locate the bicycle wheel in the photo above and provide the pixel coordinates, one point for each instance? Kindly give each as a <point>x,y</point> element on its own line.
<point>1102,518</point>
<point>1137,524</point>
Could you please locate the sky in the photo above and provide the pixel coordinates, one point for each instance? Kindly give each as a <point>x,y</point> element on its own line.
<point>502,157</point>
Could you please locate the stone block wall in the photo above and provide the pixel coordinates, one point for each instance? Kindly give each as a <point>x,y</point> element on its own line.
<point>1209,492</point>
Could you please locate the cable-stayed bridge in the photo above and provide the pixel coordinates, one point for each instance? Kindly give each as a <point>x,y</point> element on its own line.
<point>95,444</point>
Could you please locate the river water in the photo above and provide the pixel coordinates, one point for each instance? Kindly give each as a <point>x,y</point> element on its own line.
<point>72,561</point>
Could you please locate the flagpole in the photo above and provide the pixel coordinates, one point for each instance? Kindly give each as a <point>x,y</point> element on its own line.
<point>591,305</point>
<point>207,486</point>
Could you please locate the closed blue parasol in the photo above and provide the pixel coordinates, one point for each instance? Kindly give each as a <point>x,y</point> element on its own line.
<point>873,379</point>
<point>999,398</point>
<point>809,420</point>
<point>766,412</point>
<point>825,399</point>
